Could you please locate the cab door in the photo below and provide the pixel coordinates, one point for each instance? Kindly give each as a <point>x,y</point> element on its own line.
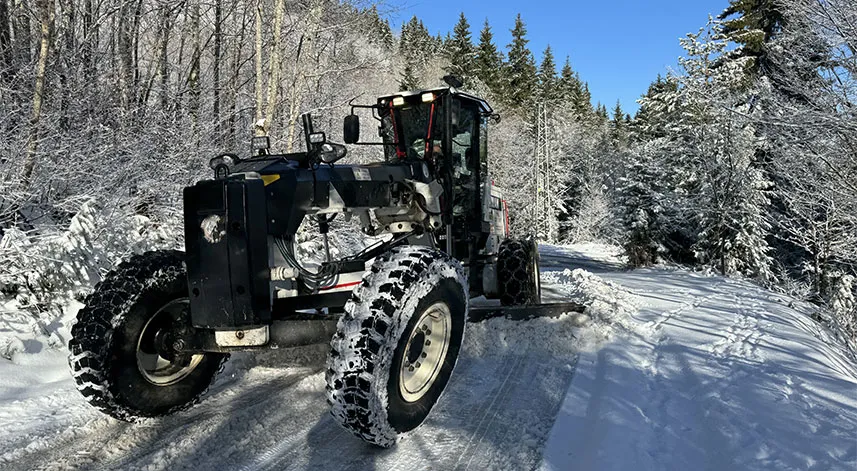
<point>466,162</point>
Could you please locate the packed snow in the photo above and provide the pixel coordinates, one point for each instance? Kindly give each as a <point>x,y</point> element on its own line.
<point>668,369</point>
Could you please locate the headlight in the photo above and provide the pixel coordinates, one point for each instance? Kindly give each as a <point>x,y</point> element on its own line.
<point>224,159</point>
<point>213,228</point>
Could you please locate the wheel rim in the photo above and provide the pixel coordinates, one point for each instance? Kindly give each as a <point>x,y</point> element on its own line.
<point>537,276</point>
<point>157,361</point>
<point>425,352</point>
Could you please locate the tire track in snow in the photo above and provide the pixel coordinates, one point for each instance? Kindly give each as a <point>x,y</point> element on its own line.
<point>118,445</point>
<point>497,413</point>
<point>502,392</point>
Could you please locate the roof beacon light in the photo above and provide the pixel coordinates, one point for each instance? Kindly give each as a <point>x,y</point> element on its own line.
<point>399,101</point>
<point>428,97</point>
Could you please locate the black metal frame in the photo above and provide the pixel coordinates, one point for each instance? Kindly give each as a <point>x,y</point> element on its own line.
<point>229,282</point>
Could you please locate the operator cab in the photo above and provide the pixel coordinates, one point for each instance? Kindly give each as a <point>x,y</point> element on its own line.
<point>446,130</point>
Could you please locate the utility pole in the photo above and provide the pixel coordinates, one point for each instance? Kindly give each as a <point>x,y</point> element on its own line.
<point>545,219</point>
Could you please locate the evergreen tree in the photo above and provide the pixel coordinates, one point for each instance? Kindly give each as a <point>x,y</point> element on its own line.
<point>520,71</point>
<point>584,102</point>
<point>441,44</point>
<point>618,115</point>
<point>641,195</point>
<point>601,113</point>
<point>657,109</point>
<point>460,51</point>
<point>752,24</point>
<point>571,91</point>
<point>548,86</point>
<point>380,32</point>
<point>619,130</point>
<point>408,80</point>
<point>416,46</point>
<point>489,60</point>
<point>717,196</point>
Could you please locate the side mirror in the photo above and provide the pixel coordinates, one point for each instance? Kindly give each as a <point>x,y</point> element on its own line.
<point>351,129</point>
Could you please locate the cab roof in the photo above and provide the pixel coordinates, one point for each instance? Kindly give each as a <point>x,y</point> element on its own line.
<point>483,105</point>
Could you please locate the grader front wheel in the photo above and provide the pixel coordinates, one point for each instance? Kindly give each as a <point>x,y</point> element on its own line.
<point>396,347</point>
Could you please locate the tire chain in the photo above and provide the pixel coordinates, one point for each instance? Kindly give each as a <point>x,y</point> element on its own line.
<point>513,273</point>
<point>104,310</point>
<point>367,334</point>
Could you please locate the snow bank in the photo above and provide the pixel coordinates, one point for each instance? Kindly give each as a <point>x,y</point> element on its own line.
<point>608,306</point>
<point>43,277</point>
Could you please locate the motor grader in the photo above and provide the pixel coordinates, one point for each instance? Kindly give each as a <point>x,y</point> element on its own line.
<point>156,331</point>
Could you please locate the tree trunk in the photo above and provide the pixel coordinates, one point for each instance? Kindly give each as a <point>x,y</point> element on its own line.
<point>89,38</point>
<point>259,126</point>
<point>135,48</point>
<point>233,85</point>
<point>21,30</point>
<point>69,52</point>
<point>193,75</point>
<point>218,39</point>
<point>274,75</point>
<point>296,90</point>
<point>163,48</point>
<point>124,46</point>
<point>5,42</point>
<point>46,19</point>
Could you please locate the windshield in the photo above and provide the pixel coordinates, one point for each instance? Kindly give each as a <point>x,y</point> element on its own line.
<point>405,130</point>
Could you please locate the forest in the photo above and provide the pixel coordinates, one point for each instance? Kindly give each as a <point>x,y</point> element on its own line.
<point>741,161</point>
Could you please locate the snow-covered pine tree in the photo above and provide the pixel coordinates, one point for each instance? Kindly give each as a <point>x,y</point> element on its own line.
<point>489,61</point>
<point>409,80</point>
<point>571,91</point>
<point>519,73</point>
<point>619,129</point>
<point>640,197</point>
<point>416,46</point>
<point>729,201</point>
<point>658,108</point>
<point>601,113</point>
<point>460,52</point>
<point>548,85</point>
<point>752,24</point>
<point>379,29</point>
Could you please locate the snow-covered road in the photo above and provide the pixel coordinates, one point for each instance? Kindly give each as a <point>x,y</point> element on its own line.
<point>704,373</point>
<point>713,373</point>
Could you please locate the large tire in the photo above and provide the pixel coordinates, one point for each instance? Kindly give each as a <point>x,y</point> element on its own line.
<point>117,352</point>
<point>518,278</point>
<point>396,346</point>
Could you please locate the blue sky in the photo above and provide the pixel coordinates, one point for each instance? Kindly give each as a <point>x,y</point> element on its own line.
<point>618,46</point>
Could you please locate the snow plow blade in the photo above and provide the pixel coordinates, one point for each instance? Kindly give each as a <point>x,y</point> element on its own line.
<point>522,313</point>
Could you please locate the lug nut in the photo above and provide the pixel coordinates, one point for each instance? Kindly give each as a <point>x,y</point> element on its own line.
<point>425,328</point>
<point>418,364</point>
<point>428,332</point>
<point>423,354</point>
<point>428,342</point>
<point>411,368</point>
